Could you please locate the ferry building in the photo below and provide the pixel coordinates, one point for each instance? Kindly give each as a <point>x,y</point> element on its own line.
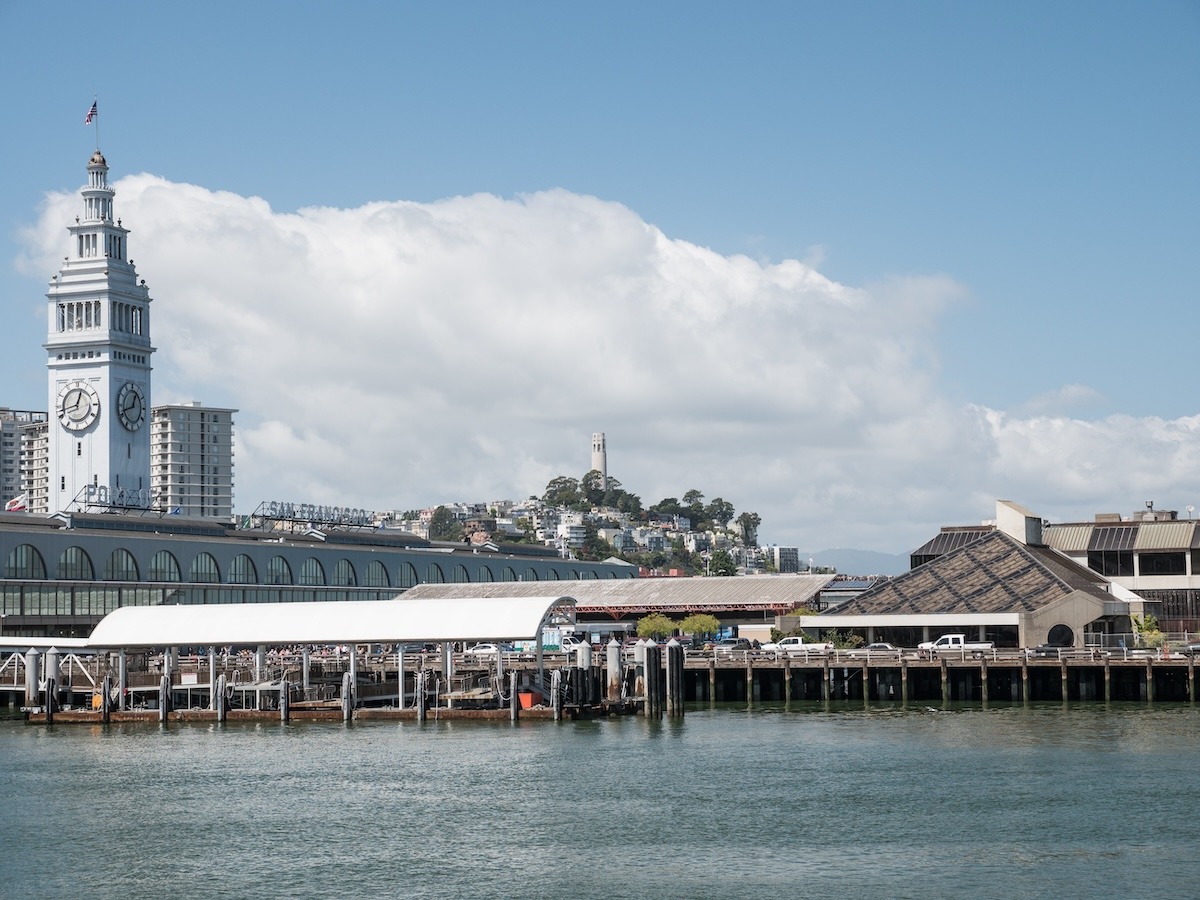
<point>97,530</point>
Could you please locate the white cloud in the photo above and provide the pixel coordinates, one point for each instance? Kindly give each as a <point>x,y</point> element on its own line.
<point>403,354</point>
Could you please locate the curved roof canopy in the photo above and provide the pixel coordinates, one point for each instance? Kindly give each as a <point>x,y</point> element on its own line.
<point>340,622</point>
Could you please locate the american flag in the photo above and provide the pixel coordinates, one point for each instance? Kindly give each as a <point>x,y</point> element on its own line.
<point>87,120</point>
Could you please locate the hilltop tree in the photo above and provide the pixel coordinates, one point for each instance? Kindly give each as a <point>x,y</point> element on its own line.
<point>563,491</point>
<point>719,511</point>
<point>749,522</point>
<point>444,527</point>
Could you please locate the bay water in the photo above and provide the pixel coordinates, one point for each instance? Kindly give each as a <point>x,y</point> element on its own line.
<point>1066,800</point>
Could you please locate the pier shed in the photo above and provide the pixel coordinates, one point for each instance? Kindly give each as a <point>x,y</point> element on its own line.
<point>1002,584</point>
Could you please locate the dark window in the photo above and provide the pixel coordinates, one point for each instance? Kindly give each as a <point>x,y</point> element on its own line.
<point>121,566</point>
<point>1111,562</point>
<point>1174,563</point>
<point>25,562</point>
<point>164,567</point>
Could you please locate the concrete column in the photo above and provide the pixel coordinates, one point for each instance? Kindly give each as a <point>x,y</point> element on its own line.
<point>51,671</point>
<point>164,697</point>
<point>106,699</point>
<point>613,651</point>
<point>347,697</point>
<point>212,677</point>
<point>123,679</point>
<point>284,701</point>
<point>33,677</point>
<point>514,703</point>
<point>419,694</point>
<point>556,694</point>
<point>305,665</point>
<point>51,687</point>
<point>583,666</point>
<point>222,702</point>
<point>353,673</point>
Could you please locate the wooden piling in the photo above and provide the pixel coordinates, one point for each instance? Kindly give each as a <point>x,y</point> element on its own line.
<point>1024,680</point>
<point>983,680</point>
<point>1191,678</point>
<point>1066,692</point>
<point>945,681</point>
<point>1149,680</point>
<point>787,678</point>
<point>904,681</point>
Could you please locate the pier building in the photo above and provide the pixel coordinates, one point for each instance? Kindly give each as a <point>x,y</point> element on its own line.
<point>1002,583</point>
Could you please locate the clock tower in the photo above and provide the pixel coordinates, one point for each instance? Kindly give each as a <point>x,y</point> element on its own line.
<point>99,363</point>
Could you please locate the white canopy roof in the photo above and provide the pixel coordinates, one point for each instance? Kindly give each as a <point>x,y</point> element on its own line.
<point>341,622</point>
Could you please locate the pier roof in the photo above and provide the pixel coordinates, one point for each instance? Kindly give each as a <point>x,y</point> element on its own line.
<point>778,593</point>
<point>404,619</point>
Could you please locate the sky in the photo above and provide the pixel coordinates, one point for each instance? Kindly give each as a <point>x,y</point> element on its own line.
<point>860,268</point>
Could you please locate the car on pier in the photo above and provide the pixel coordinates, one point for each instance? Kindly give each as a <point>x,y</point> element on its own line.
<point>483,650</point>
<point>879,648</point>
<point>730,646</point>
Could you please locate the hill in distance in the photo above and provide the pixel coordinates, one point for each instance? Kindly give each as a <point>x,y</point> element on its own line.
<point>859,562</point>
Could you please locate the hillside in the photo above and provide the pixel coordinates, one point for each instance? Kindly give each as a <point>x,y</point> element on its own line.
<point>859,562</point>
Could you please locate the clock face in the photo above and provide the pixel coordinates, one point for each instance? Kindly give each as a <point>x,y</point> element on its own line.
<point>78,405</point>
<point>131,406</point>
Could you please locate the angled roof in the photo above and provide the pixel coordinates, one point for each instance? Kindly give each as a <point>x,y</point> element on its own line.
<point>950,539</point>
<point>471,618</point>
<point>993,574</point>
<point>637,595</point>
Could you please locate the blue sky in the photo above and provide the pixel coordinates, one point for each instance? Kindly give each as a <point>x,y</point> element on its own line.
<point>1007,192</point>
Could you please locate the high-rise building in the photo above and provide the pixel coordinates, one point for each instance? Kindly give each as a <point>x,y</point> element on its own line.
<point>192,449</point>
<point>98,346</point>
<point>12,421</point>
<point>600,456</point>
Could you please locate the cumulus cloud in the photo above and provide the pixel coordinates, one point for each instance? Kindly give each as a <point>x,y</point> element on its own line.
<point>402,354</point>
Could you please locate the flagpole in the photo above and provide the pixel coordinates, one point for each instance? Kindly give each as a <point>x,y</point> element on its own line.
<point>96,103</point>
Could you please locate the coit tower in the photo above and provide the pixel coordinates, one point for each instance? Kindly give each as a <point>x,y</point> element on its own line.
<point>600,456</point>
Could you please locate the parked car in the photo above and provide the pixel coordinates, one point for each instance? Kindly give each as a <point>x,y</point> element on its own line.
<point>569,643</point>
<point>878,647</point>
<point>483,650</point>
<point>729,646</point>
<point>954,644</point>
<point>1046,651</point>
<point>795,645</point>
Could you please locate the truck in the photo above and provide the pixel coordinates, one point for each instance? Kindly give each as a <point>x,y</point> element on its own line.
<point>795,645</point>
<point>955,644</point>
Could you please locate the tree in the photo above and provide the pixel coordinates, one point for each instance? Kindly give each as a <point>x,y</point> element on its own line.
<point>719,511</point>
<point>1147,630</point>
<point>749,522</point>
<point>655,625</point>
<point>444,527</point>
<point>593,487</point>
<point>563,491</point>
<point>700,625</point>
<point>721,563</point>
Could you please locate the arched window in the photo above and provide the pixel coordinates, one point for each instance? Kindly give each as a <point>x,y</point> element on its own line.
<point>343,574</point>
<point>508,574</point>
<point>121,566</point>
<point>377,575</point>
<point>485,574</point>
<point>75,563</point>
<point>434,574</point>
<point>242,570</point>
<point>164,567</point>
<point>460,574</point>
<point>278,571</point>
<point>204,569</point>
<point>406,577</point>
<point>312,573</point>
<point>531,574</point>
<point>25,562</point>
<point>572,575</point>
<point>552,575</point>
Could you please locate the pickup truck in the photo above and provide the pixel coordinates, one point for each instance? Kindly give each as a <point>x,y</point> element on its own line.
<point>955,643</point>
<point>796,645</point>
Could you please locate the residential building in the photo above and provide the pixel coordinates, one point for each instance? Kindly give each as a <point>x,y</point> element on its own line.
<point>12,421</point>
<point>192,448</point>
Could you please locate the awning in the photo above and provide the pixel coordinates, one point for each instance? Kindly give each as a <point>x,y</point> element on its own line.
<point>336,622</point>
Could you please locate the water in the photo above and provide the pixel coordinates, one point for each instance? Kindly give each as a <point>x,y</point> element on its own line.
<point>1069,801</point>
